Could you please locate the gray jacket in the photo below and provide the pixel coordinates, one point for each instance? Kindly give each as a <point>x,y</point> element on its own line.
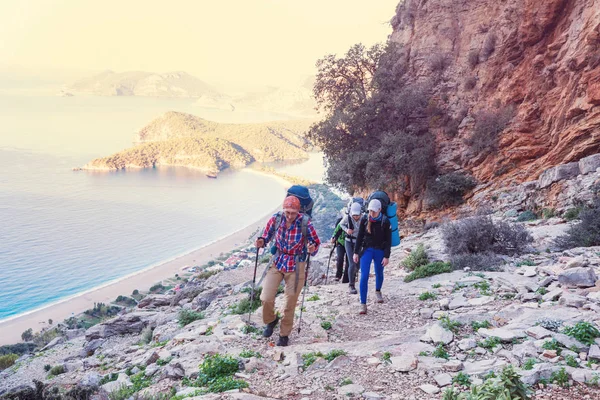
<point>348,223</point>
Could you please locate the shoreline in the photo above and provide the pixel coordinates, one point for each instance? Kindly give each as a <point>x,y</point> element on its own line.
<point>12,327</point>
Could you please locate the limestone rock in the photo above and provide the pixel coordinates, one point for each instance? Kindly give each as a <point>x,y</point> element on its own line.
<point>572,300</point>
<point>577,277</point>
<point>350,389</point>
<point>438,334</point>
<point>538,332</point>
<point>404,363</point>
<point>443,379</point>
<point>430,389</point>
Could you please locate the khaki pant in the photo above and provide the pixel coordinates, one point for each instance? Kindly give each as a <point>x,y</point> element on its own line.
<point>269,291</point>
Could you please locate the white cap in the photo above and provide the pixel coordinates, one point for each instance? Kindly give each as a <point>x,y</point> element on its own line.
<point>355,209</point>
<point>375,205</point>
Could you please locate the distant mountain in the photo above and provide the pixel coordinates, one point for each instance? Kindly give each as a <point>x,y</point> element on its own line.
<point>179,139</point>
<point>139,83</point>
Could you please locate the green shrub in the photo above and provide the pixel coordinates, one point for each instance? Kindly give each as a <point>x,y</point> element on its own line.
<point>586,233</point>
<point>310,358</point>
<point>448,189</point>
<point>440,352</point>
<point>560,377</point>
<point>488,126</point>
<point>187,317</point>
<point>245,305</point>
<point>326,325</point>
<point>27,335</point>
<point>552,345</point>
<point>314,297</point>
<point>527,216</point>
<point>504,387</point>
<point>583,331</point>
<point>490,342</point>
<point>548,213</point>
<point>109,378</point>
<point>529,363</point>
<point>417,258</point>
<point>484,288</point>
<point>19,348</point>
<point>216,374</point>
<point>476,325</point>
<point>8,360</point>
<point>572,213</point>
<point>56,370</point>
<point>250,354</point>
<point>346,381</point>
<point>47,367</point>
<point>161,362</point>
<point>427,296</point>
<point>157,288</point>
<point>462,379</point>
<point>449,324</point>
<point>146,335</point>
<point>436,286</point>
<point>247,329</point>
<point>430,269</point>
<point>571,361</point>
<point>386,357</point>
<point>527,263</point>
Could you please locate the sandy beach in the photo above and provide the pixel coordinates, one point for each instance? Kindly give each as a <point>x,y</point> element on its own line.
<point>10,331</point>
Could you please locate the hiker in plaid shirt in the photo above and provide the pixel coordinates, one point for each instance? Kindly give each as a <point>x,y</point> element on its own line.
<point>288,265</point>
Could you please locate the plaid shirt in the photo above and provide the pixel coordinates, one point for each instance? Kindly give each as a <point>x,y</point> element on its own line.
<point>289,241</point>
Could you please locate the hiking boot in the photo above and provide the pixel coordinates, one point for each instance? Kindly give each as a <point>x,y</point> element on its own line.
<point>362,309</point>
<point>270,326</point>
<point>352,290</point>
<point>379,296</point>
<point>283,341</point>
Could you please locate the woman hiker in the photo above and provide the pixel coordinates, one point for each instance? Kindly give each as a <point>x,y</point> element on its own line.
<point>373,243</point>
<point>288,265</point>
<point>338,240</point>
<point>350,226</point>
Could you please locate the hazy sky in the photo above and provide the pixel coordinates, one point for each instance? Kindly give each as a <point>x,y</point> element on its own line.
<point>236,41</point>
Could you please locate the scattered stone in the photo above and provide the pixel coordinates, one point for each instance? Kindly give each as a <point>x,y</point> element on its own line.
<point>549,354</point>
<point>350,389</point>
<point>278,355</point>
<point>577,277</point>
<point>531,297</point>
<point>467,344</point>
<point>480,301</point>
<point>444,303</point>
<point>426,313</point>
<point>572,300</point>
<point>53,343</point>
<point>505,335</point>
<point>547,281</point>
<point>552,295</point>
<point>404,363</point>
<point>438,334</point>
<point>173,371</point>
<point>538,332</point>
<point>430,389</point>
<point>372,396</point>
<point>457,302</point>
<point>453,366</point>
<point>594,353</point>
<point>443,379</point>
<point>529,272</point>
<point>577,262</point>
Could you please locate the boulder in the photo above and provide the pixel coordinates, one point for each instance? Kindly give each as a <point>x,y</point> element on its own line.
<point>155,300</point>
<point>90,347</point>
<point>90,379</point>
<point>582,277</point>
<point>552,295</point>
<point>577,262</point>
<point>172,371</point>
<point>404,363</point>
<point>438,334</point>
<point>594,353</point>
<point>132,323</point>
<point>204,299</point>
<point>453,366</point>
<point>589,164</point>
<point>538,332</point>
<point>458,302</point>
<point>572,300</point>
<point>558,173</point>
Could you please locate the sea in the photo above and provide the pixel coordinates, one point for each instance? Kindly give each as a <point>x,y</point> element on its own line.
<point>65,232</point>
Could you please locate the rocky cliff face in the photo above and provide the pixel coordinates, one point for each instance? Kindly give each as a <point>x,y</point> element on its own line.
<point>538,59</point>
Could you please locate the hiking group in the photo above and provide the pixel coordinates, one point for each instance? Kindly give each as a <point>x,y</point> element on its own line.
<point>360,238</point>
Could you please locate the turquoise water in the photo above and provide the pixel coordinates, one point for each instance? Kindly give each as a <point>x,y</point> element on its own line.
<point>64,232</point>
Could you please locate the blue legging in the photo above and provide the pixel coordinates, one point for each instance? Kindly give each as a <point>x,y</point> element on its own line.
<point>369,255</point>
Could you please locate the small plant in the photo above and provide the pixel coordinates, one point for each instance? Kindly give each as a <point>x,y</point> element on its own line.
<point>448,189</point>
<point>386,357</point>
<point>310,358</point>
<point>424,353</point>
<point>209,331</point>
<point>462,379</point>
<point>346,381</point>
<point>416,258</point>
<point>46,367</point>
<point>427,296</point>
<point>108,378</point>
<point>247,329</point>
<point>160,344</point>
<point>560,377</point>
<point>584,233</point>
<point>527,216</point>
<point>333,354</point>
<point>583,331</point>
<point>314,297</point>
<point>526,262</point>
<point>490,342</point>
<point>8,360</point>
<point>56,370</point>
<point>552,345</point>
<point>440,352</point>
<point>571,361</point>
<point>572,213</point>
<point>529,363</point>
<point>550,324</point>
<point>250,354</point>
<point>326,325</point>
<point>594,381</point>
<point>431,269</point>
<point>476,325</point>
<point>449,324</point>
<point>163,361</point>
<point>548,213</point>
<point>436,285</point>
<point>484,288</point>
<point>244,305</point>
<point>216,374</point>
<point>542,290</point>
<point>187,317</point>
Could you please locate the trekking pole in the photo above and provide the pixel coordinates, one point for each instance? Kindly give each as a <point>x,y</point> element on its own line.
<point>329,262</point>
<point>304,291</point>
<point>253,283</point>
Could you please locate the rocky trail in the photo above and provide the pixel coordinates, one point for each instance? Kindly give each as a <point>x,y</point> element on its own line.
<point>413,346</point>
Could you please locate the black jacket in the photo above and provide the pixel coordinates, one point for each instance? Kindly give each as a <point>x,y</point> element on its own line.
<point>379,238</point>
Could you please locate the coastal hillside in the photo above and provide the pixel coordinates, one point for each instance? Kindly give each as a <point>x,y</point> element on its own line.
<point>488,307</point>
<point>179,139</point>
<point>498,92</point>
